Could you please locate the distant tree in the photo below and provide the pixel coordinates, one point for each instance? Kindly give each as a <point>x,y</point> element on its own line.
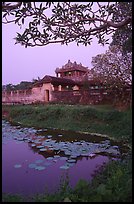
<point>36,80</point>
<point>65,22</point>
<point>114,69</point>
<point>3,87</point>
<point>23,85</point>
<point>8,87</point>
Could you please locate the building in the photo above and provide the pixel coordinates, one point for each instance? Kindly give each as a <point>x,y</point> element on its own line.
<point>73,84</point>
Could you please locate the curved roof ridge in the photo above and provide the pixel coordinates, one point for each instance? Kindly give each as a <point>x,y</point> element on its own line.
<point>70,66</point>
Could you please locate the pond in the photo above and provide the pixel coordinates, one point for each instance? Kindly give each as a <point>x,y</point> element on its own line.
<point>38,160</point>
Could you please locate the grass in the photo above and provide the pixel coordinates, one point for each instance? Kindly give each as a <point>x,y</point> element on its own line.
<point>98,119</point>
<point>114,182</point>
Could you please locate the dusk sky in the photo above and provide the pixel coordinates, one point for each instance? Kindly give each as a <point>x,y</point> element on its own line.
<point>25,64</point>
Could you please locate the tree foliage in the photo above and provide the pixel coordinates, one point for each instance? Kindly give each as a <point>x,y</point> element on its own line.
<point>64,22</point>
<point>123,36</point>
<point>114,68</point>
<point>21,86</point>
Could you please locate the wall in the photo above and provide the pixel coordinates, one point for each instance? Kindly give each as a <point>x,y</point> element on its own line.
<point>18,96</point>
<point>48,93</point>
<point>34,95</point>
<point>81,96</point>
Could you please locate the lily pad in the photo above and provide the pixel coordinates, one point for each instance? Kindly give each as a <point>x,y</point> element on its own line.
<point>47,163</point>
<point>32,166</point>
<point>51,148</point>
<point>91,155</point>
<point>67,153</point>
<point>17,166</point>
<point>44,130</point>
<point>56,156</point>
<point>73,156</point>
<point>60,135</point>
<point>63,158</point>
<point>49,136</point>
<point>71,160</point>
<point>40,146</point>
<point>40,130</point>
<point>20,139</point>
<point>49,158</point>
<point>40,168</point>
<point>33,145</point>
<point>43,149</point>
<point>64,167</point>
<point>39,161</point>
<point>70,164</point>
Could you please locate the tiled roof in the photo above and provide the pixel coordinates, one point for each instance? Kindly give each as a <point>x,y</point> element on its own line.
<point>71,67</point>
<point>55,81</point>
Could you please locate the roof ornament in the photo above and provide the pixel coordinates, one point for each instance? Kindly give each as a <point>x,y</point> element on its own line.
<point>69,63</point>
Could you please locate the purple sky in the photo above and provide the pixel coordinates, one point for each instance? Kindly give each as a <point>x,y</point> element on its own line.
<point>24,64</point>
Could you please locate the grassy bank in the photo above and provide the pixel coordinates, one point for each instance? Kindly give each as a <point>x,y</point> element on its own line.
<point>114,183</point>
<point>98,119</point>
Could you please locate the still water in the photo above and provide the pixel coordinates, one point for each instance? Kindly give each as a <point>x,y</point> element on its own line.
<point>38,160</point>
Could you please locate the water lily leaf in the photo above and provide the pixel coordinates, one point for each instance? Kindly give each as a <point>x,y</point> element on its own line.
<point>40,168</point>
<point>40,130</point>
<point>60,135</point>
<point>55,160</point>
<point>51,148</point>
<point>91,155</point>
<point>32,166</point>
<point>63,158</point>
<point>49,136</point>
<point>19,142</point>
<point>39,161</point>
<point>56,148</point>
<point>67,153</point>
<point>17,165</point>
<point>47,140</point>
<point>70,164</point>
<point>64,167</point>
<point>40,146</point>
<point>49,158</point>
<point>44,130</point>
<point>71,160</point>
<point>33,145</point>
<point>47,163</point>
<point>84,154</point>
<point>43,149</point>
<point>73,156</point>
<point>37,142</point>
<point>56,156</point>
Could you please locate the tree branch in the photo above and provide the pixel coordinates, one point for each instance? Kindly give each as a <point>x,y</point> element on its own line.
<point>8,7</point>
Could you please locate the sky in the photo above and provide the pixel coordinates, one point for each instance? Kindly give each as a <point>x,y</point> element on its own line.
<point>25,64</point>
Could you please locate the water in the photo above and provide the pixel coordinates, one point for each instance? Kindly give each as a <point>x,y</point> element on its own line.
<point>37,161</point>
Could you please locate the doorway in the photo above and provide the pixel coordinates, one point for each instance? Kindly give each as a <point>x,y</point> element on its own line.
<point>47,95</point>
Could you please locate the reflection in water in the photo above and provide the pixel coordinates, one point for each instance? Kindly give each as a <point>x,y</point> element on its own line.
<point>34,161</point>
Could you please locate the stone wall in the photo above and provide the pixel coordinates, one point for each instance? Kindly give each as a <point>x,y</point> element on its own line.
<point>81,96</point>
<point>34,95</point>
<point>47,93</point>
<point>19,96</point>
